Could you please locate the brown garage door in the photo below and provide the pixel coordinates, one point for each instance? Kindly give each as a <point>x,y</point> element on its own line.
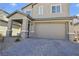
<point>50,30</point>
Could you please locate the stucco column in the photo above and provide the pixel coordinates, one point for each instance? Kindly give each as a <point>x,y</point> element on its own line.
<point>9,28</point>
<point>24,29</point>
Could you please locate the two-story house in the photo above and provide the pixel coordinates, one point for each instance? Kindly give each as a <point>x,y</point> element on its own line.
<point>45,20</point>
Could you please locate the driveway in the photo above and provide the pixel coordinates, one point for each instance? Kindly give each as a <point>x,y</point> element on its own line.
<point>43,47</point>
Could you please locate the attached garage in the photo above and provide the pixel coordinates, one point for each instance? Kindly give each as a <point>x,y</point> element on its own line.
<point>50,30</point>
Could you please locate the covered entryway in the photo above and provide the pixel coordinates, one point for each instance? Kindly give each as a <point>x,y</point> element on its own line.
<point>51,30</point>
<point>23,20</point>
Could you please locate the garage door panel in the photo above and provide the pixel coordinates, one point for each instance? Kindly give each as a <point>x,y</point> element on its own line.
<point>52,31</point>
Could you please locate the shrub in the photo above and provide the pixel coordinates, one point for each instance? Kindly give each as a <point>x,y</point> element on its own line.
<point>17,40</point>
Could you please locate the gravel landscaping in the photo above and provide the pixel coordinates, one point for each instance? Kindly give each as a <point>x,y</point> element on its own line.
<point>42,47</point>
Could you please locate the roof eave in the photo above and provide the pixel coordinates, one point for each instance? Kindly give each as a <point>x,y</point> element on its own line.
<point>56,18</point>
<point>15,13</point>
<point>20,13</point>
<point>4,11</point>
<point>28,5</point>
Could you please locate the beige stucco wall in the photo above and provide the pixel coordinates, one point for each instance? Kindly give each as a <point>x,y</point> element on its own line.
<point>3,29</point>
<point>3,15</point>
<point>18,16</point>
<point>47,12</point>
<point>15,31</point>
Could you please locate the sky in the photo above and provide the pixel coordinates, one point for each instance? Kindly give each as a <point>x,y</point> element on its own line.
<point>74,9</point>
<point>11,7</point>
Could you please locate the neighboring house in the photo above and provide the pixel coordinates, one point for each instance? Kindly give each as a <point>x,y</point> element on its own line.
<point>44,20</point>
<point>4,22</point>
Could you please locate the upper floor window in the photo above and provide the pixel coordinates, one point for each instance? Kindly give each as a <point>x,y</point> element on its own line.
<point>40,10</point>
<point>56,9</point>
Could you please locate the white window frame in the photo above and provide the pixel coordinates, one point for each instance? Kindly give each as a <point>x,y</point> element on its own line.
<point>40,10</point>
<point>56,5</point>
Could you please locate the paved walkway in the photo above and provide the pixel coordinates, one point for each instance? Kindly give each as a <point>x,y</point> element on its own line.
<point>43,47</point>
